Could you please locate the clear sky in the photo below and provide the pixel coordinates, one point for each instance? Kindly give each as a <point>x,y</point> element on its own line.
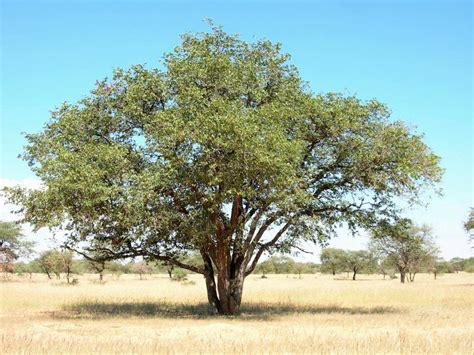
<point>415,56</point>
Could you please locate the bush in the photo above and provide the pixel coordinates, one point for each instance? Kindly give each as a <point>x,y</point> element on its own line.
<point>470,268</point>
<point>179,275</point>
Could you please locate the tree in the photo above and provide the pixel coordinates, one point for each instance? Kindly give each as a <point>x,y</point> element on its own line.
<point>142,268</point>
<point>457,264</point>
<point>469,225</point>
<point>438,266</point>
<point>98,266</point>
<point>66,263</point>
<point>385,267</point>
<point>227,152</point>
<point>49,264</point>
<point>28,268</point>
<point>57,262</point>
<point>406,246</point>
<point>265,267</point>
<point>332,260</point>
<point>12,245</point>
<point>357,261</point>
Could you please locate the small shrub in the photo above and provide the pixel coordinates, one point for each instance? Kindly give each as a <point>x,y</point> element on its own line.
<point>179,275</point>
<point>75,281</point>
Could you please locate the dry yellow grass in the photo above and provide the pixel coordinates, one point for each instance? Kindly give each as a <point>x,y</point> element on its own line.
<point>281,314</point>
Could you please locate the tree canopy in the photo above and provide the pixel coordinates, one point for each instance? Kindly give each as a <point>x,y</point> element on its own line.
<point>406,246</point>
<point>209,153</point>
<point>12,244</point>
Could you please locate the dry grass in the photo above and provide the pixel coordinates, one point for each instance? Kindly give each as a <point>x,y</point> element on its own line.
<point>281,314</point>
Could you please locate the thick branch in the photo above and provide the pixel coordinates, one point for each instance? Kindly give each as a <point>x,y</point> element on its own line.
<point>265,246</point>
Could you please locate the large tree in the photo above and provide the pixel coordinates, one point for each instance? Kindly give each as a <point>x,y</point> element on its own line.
<point>224,151</point>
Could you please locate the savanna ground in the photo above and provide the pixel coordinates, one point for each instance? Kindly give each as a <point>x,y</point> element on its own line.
<point>281,314</point>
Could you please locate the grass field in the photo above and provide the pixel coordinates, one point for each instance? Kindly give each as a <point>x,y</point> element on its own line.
<point>281,314</point>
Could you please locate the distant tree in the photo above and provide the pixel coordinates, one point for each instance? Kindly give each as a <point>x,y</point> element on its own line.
<point>299,268</point>
<point>332,260</point>
<point>50,263</point>
<point>457,264</point>
<point>265,268</point>
<point>27,268</point>
<point>66,259</point>
<point>406,246</point>
<point>438,266</point>
<point>179,275</point>
<point>141,268</point>
<point>45,264</point>
<point>56,262</point>
<point>358,261</point>
<point>169,269</point>
<point>385,267</point>
<point>282,264</point>
<point>12,245</point>
<point>469,225</point>
<point>117,268</point>
<point>98,266</point>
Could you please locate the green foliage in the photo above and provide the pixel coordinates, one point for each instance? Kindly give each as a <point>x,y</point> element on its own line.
<point>27,268</point>
<point>333,260</point>
<point>179,275</point>
<point>12,245</point>
<point>224,144</point>
<point>405,246</point>
<point>359,261</point>
<point>56,262</point>
<point>285,265</point>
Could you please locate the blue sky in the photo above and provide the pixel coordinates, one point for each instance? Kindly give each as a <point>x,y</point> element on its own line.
<point>415,56</point>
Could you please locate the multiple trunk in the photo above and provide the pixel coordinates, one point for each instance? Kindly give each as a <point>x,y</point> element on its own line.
<point>224,296</point>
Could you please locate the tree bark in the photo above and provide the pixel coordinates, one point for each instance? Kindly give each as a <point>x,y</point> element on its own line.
<point>212,297</point>
<point>354,275</point>
<point>402,277</point>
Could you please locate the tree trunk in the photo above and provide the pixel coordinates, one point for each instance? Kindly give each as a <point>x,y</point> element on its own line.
<point>229,288</point>
<point>354,275</point>
<point>101,276</point>
<point>224,296</point>
<point>435,273</point>
<point>402,277</point>
<point>334,273</point>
